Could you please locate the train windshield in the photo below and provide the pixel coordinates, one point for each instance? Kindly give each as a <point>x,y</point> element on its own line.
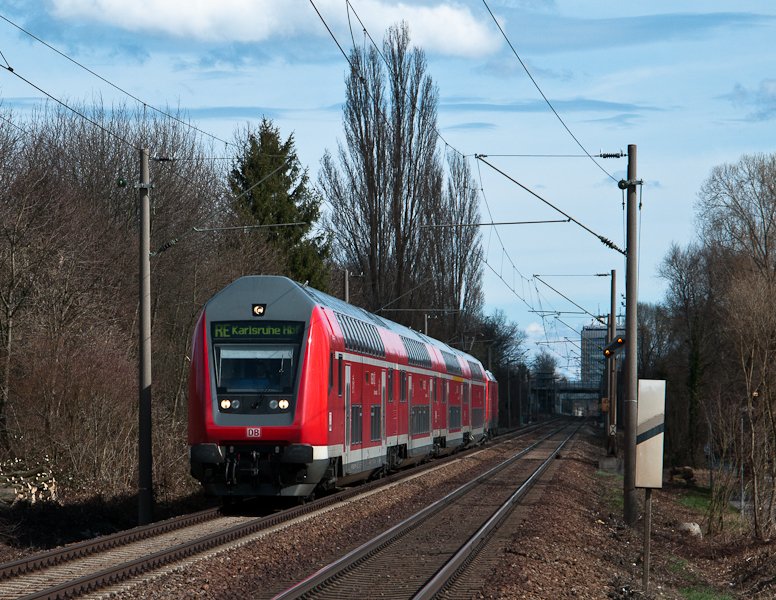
<point>256,368</point>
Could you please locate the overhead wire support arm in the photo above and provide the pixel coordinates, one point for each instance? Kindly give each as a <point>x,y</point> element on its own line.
<point>605,241</point>
<point>541,92</point>
<point>587,312</point>
<point>237,227</point>
<point>170,243</point>
<point>498,223</point>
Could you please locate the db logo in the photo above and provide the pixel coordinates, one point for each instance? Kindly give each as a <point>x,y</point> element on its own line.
<point>253,432</point>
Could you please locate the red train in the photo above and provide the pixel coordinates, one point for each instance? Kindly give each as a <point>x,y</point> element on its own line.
<point>291,389</point>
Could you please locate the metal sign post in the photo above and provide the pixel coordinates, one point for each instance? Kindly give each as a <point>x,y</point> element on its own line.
<point>650,433</point>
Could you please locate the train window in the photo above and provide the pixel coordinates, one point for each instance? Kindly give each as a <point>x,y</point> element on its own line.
<point>255,368</point>
<point>366,377</point>
<point>403,385</point>
<point>356,425</point>
<point>475,371</point>
<point>339,376</point>
<point>390,385</point>
<point>363,346</point>
<point>331,371</point>
<point>375,423</point>
<point>454,417</point>
<point>370,343</point>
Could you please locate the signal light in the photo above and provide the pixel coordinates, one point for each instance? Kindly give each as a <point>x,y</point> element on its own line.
<point>614,346</point>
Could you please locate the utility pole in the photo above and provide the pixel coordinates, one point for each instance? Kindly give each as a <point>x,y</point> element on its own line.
<point>347,285</point>
<point>612,374</point>
<point>630,404</point>
<point>145,477</point>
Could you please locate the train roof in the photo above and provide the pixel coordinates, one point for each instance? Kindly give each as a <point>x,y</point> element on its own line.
<point>311,296</point>
<point>357,312</point>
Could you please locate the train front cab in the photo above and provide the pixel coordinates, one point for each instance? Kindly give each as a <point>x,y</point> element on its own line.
<point>257,424</point>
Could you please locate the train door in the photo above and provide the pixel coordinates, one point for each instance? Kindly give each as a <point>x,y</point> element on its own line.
<point>446,416</point>
<point>353,424</point>
<point>392,425</point>
<point>454,409</point>
<point>466,406</point>
<point>402,418</point>
<point>434,401</point>
<point>409,413</point>
<point>383,408</point>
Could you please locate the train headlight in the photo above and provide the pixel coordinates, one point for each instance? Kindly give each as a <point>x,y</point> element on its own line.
<point>226,404</point>
<point>283,404</point>
<point>235,404</point>
<point>273,404</point>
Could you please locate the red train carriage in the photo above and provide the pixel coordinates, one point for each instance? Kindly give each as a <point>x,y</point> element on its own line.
<point>491,404</point>
<point>291,389</point>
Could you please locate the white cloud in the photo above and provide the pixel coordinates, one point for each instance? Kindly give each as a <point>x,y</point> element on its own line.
<point>443,27</point>
<point>534,331</point>
<point>207,20</point>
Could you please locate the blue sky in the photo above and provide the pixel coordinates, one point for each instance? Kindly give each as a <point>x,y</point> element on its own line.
<point>692,83</point>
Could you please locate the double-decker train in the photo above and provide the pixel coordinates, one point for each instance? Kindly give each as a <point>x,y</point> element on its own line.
<point>291,389</point>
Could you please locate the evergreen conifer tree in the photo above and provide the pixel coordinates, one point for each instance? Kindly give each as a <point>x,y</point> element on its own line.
<point>272,188</point>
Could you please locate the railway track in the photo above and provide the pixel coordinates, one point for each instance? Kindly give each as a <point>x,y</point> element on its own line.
<point>422,556</point>
<point>89,566</point>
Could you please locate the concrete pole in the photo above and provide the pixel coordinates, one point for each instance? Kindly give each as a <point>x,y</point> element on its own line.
<point>145,464</point>
<point>630,405</point>
<point>612,433</point>
<point>347,286</point>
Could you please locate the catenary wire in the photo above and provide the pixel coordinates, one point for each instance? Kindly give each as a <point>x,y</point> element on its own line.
<point>350,7</point>
<point>601,238</point>
<point>70,108</point>
<point>113,85</point>
<point>539,89</point>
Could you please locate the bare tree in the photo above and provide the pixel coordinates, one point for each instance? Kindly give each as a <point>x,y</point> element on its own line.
<point>737,209</point>
<point>751,329</point>
<point>721,296</point>
<point>389,168</point>
<point>656,342</point>
<point>691,303</point>
<point>28,230</point>
<point>453,261</point>
<point>68,276</point>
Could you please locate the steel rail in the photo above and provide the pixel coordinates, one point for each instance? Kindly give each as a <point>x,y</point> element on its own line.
<point>77,550</point>
<point>134,568</point>
<point>334,569</point>
<point>446,575</point>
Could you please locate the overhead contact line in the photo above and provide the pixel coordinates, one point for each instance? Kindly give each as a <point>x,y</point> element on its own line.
<point>605,241</point>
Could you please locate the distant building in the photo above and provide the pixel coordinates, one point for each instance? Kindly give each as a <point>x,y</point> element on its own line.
<point>594,338</point>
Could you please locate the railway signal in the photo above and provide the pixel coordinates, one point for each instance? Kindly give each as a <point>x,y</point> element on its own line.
<point>614,346</point>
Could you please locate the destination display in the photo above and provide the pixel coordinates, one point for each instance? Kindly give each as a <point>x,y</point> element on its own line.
<point>275,331</point>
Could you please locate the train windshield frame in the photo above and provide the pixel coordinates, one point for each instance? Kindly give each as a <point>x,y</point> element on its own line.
<point>256,368</point>
<point>256,358</point>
